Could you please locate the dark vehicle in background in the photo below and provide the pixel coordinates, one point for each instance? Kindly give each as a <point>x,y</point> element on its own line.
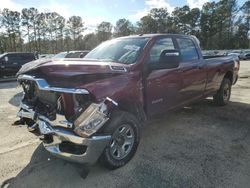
<point>11,62</point>
<point>71,54</point>
<point>93,108</point>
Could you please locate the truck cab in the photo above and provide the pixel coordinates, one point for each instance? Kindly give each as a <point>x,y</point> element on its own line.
<point>10,63</point>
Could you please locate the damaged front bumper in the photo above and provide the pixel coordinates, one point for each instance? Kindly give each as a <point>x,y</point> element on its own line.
<point>62,141</point>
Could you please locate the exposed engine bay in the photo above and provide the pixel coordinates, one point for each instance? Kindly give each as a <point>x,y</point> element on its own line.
<point>85,116</point>
<point>49,103</point>
<point>67,118</point>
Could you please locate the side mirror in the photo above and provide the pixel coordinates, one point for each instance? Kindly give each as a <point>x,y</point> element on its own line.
<point>169,59</point>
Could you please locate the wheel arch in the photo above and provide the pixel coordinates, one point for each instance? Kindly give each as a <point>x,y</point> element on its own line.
<point>229,75</point>
<point>133,108</point>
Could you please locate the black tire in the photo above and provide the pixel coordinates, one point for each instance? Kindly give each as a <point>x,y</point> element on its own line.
<point>117,121</point>
<point>222,96</point>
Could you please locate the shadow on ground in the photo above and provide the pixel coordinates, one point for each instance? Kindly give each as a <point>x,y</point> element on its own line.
<point>15,100</point>
<point>8,84</point>
<point>198,146</point>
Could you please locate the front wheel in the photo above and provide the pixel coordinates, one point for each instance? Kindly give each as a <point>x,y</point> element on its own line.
<point>125,131</point>
<point>222,96</point>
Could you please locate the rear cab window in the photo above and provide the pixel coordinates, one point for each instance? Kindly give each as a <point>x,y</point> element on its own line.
<point>188,51</point>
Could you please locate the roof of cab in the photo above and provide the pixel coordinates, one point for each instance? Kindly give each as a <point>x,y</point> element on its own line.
<point>155,35</point>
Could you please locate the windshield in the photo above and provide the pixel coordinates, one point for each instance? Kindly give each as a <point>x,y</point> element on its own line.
<point>60,55</point>
<point>1,55</point>
<point>125,50</point>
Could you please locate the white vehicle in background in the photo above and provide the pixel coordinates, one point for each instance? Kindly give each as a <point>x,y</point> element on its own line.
<point>72,54</point>
<point>245,55</point>
<point>234,54</point>
<point>46,56</point>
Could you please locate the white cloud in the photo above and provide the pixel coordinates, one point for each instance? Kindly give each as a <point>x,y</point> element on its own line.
<point>53,6</point>
<point>65,10</point>
<point>91,24</point>
<point>9,4</point>
<point>159,4</point>
<point>150,4</point>
<point>196,3</point>
<point>139,14</point>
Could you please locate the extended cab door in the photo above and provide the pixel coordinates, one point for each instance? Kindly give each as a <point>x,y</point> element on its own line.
<point>192,70</point>
<point>163,85</point>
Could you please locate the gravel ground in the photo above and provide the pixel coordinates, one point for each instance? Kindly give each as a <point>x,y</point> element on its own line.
<point>198,146</point>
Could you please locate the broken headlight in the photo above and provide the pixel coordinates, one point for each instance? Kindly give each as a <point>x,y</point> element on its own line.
<point>92,119</point>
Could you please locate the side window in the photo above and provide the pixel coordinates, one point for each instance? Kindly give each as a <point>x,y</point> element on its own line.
<point>23,57</point>
<point>27,57</point>
<point>14,58</point>
<point>187,49</point>
<point>158,47</point>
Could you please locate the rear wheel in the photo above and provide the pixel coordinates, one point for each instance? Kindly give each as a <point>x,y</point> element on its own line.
<point>222,96</point>
<point>125,131</point>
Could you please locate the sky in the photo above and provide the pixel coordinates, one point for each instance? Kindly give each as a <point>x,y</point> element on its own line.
<point>94,12</point>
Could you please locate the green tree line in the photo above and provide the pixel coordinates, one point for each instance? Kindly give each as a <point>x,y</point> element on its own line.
<point>218,25</point>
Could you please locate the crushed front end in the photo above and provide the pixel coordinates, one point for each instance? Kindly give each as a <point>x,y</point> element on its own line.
<point>66,119</point>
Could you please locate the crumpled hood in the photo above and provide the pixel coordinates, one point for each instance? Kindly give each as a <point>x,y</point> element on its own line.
<point>73,72</point>
<point>74,67</point>
<point>32,65</point>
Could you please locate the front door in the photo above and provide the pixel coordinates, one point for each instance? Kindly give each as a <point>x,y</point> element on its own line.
<point>162,86</point>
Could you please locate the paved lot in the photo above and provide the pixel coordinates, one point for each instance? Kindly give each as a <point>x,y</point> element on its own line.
<point>198,146</point>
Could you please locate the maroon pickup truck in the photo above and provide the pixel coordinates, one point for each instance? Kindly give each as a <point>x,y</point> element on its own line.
<point>93,108</point>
